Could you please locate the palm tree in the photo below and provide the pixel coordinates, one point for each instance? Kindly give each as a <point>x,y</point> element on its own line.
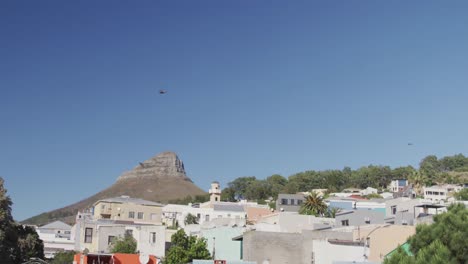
<point>418,180</point>
<point>313,205</point>
<point>331,212</point>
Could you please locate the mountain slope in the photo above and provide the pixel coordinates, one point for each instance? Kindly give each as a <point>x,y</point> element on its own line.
<point>160,179</point>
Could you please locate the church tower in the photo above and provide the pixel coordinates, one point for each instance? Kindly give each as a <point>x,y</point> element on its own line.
<point>215,192</point>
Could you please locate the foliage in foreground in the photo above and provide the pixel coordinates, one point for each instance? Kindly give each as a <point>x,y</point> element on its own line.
<point>444,241</point>
<point>126,244</point>
<point>63,257</point>
<point>185,248</point>
<point>18,243</point>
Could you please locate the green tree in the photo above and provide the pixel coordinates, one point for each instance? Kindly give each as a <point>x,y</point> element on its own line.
<point>228,195</point>
<point>63,257</point>
<point>276,184</point>
<point>435,253</point>
<point>313,205</point>
<point>462,195</point>
<point>190,219</point>
<point>186,248</point>
<point>17,243</point>
<point>29,244</point>
<point>444,241</point>
<point>257,190</point>
<point>418,180</point>
<point>126,244</point>
<point>8,236</point>
<point>240,185</point>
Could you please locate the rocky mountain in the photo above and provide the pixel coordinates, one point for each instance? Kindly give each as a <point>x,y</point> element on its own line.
<point>160,179</point>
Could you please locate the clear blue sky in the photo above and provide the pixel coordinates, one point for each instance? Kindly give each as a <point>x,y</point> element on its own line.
<point>254,88</point>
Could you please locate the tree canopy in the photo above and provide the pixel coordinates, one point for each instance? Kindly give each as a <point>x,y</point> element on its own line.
<point>432,170</point>
<point>126,244</point>
<point>444,241</point>
<point>18,243</point>
<point>185,248</point>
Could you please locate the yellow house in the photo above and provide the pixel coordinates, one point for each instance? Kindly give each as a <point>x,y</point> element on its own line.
<point>125,208</point>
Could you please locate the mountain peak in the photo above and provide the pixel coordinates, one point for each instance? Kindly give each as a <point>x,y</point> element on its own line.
<point>165,164</point>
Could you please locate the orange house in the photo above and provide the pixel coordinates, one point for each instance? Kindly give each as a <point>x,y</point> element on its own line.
<point>117,258</point>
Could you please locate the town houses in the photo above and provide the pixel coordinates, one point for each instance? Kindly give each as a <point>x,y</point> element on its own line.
<point>363,230</point>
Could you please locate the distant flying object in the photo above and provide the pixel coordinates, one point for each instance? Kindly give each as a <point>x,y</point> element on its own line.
<point>162,91</point>
<point>410,144</point>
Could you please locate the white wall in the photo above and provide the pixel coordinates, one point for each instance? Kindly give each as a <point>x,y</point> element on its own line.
<point>326,253</point>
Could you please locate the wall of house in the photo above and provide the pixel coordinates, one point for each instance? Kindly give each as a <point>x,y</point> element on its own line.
<point>102,236</point>
<point>403,204</point>
<point>121,211</point>
<point>143,236</point>
<point>323,248</point>
<point>277,248</point>
<point>288,207</point>
<point>225,247</point>
<point>359,217</point>
<point>386,239</point>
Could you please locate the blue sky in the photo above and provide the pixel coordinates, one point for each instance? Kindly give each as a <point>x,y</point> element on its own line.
<point>254,88</point>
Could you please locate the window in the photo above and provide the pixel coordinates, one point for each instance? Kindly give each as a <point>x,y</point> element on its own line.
<point>345,222</point>
<point>198,216</point>
<point>393,209</point>
<point>88,235</point>
<point>292,201</point>
<point>216,199</point>
<point>140,215</point>
<point>110,239</point>
<point>299,202</point>
<point>152,238</point>
<point>284,201</point>
<point>103,206</point>
<point>67,232</point>
<point>207,218</point>
<point>131,214</point>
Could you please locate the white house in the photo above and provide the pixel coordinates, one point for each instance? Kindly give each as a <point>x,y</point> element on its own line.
<point>440,192</point>
<point>56,237</point>
<point>397,185</point>
<point>97,235</point>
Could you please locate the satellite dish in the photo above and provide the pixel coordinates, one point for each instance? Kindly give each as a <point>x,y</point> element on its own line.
<point>144,259</point>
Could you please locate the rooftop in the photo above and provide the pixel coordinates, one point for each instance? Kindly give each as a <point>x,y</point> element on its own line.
<point>127,199</point>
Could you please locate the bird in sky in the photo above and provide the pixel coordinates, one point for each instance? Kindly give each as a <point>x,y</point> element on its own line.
<point>162,91</point>
<point>410,144</point>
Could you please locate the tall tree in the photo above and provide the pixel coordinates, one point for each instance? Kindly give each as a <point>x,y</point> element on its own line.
<point>8,236</point>
<point>444,241</point>
<point>313,205</point>
<point>240,185</point>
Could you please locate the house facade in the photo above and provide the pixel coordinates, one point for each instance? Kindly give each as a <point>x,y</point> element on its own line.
<point>56,237</point>
<point>96,235</point>
<point>438,193</point>
<point>289,202</point>
<point>125,208</point>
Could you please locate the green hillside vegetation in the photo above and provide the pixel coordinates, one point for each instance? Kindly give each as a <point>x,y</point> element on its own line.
<point>450,169</point>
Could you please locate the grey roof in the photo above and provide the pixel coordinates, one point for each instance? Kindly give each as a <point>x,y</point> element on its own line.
<point>56,225</point>
<point>127,199</point>
<point>228,207</point>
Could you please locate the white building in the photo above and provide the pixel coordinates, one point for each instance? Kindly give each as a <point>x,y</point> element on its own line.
<point>56,237</point>
<point>397,185</point>
<point>175,213</point>
<point>97,235</point>
<point>440,192</point>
